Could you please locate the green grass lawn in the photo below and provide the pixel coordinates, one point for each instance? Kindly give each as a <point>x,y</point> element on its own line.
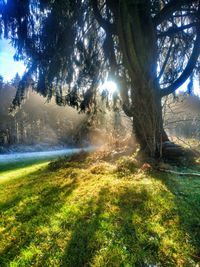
<point>87,213</point>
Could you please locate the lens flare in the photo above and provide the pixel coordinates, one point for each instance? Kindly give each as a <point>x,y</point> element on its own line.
<point>110,86</point>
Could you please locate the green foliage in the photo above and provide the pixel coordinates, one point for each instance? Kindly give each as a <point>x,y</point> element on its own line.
<point>85,215</point>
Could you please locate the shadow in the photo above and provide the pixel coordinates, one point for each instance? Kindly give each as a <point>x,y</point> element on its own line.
<point>33,205</point>
<point>139,240</point>
<point>82,245</point>
<point>123,223</point>
<point>145,231</point>
<point>146,224</point>
<point>22,164</point>
<point>9,204</point>
<point>186,196</point>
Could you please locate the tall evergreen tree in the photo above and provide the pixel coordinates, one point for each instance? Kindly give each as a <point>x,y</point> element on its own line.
<point>149,47</point>
<point>1,82</point>
<point>16,80</point>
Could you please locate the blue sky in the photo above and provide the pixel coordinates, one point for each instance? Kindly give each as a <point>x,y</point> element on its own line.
<point>9,67</point>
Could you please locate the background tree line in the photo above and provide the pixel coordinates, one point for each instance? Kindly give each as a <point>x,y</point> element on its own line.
<point>36,122</point>
<point>182,115</point>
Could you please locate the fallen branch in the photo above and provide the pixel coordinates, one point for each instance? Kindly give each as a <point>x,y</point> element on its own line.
<point>180,173</point>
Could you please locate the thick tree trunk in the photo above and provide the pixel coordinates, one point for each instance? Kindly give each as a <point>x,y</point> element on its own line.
<point>148,122</point>
<point>138,44</point>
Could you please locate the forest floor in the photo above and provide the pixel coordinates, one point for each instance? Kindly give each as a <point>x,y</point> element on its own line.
<point>96,210</point>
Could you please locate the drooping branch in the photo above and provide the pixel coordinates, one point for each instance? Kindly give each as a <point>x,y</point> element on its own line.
<point>188,69</point>
<point>105,24</point>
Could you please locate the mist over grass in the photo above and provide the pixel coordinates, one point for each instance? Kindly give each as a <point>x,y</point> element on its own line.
<point>14,161</point>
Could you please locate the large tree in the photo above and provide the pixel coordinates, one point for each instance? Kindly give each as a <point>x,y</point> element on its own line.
<point>148,47</point>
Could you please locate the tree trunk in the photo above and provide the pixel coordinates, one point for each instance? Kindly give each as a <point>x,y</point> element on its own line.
<point>138,45</point>
<point>148,122</point>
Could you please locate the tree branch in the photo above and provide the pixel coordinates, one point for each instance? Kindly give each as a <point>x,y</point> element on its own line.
<point>188,69</point>
<point>106,25</point>
<point>166,60</point>
<point>169,9</point>
<point>175,30</point>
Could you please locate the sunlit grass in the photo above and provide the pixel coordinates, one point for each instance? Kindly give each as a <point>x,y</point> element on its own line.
<point>98,214</point>
<point>20,172</point>
<point>7,166</point>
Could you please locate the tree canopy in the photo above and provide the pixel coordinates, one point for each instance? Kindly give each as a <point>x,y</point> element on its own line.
<point>69,47</point>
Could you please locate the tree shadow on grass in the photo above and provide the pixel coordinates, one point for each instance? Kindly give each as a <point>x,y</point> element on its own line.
<point>186,196</point>
<point>38,209</point>
<point>119,242</point>
<point>140,241</point>
<point>130,234</point>
<point>9,204</point>
<point>149,229</point>
<point>13,166</point>
<point>26,184</point>
<point>83,245</point>
<point>145,231</point>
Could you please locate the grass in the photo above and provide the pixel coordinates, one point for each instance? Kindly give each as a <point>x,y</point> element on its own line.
<point>7,166</point>
<point>88,212</point>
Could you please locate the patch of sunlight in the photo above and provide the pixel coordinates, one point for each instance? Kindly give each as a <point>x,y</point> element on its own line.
<point>110,86</point>
<point>19,173</point>
<point>26,256</point>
